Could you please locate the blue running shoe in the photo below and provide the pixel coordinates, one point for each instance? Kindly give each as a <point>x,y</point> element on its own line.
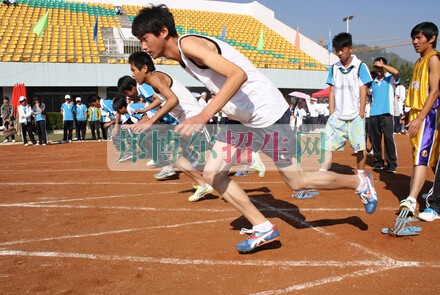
<point>257,239</point>
<point>369,195</point>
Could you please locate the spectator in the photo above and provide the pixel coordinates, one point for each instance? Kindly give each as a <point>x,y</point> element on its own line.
<point>6,113</point>
<point>25,120</point>
<point>348,80</point>
<point>94,118</point>
<point>81,119</point>
<point>399,101</point>
<point>423,99</point>
<point>381,123</point>
<point>40,121</point>
<point>202,99</point>
<point>67,111</point>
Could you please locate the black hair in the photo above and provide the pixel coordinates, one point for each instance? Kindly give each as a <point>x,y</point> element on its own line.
<point>152,19</point>
<point>6,97</point>
<point>140,59</point>
<point>383,59</point>
<point>119,102</point>
<point>94,97</point>
<point>126,83</point>
<point>36,98</point>
<point>342,40</point>
<point>428,30</point>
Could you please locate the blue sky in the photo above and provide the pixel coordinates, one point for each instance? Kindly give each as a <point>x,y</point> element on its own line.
<point>375,23</point>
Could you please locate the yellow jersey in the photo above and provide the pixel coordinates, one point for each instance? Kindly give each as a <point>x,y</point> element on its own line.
<point>419,87</point>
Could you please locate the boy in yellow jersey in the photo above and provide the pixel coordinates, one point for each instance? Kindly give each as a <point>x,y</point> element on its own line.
<point>423,99</point>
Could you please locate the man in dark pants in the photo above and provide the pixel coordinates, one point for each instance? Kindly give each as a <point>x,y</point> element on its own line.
<point>432,210</point>
<point>381,121</point>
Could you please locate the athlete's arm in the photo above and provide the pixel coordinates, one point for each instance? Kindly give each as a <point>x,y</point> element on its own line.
<point>204,53</point>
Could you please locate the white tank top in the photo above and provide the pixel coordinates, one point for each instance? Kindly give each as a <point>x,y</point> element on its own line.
<point>188,105</point>
<point>258,103</point>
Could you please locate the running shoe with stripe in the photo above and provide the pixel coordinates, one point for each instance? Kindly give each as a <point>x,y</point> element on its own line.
<point>257,239</point>
<point>369,195</point>
<point>201,191</point>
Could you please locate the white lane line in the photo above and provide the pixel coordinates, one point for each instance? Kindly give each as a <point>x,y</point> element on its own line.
<point>118,208</point>
<point>328,280</point>
<point>121,231</point>
<point>270,263</point>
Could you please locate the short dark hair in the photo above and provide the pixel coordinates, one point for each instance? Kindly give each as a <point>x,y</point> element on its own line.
<point>119,102</point>
<point>126,83</point>
<point>152,19</point>
<point>6,98</point>
<point>383,59</point>
<point>94,97</point>
<point>36,98</point>
<point>428,29</point>
<point>342,40</point>
<point>140,59</point>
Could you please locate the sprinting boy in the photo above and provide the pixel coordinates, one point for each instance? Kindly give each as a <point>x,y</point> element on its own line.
<point>245,95</point>
<point>424,116</point>
<point>176,100</point>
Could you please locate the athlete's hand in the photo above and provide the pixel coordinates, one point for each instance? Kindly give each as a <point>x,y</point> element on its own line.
<point>188,126</point>
<point>141,127</point>
<point>414,126</point>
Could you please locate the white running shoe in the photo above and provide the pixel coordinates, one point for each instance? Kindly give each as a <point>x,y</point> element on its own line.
<point>408,203</point>
<point>428,215</point>
<point>151,163</point>
<point>201,191</point>
<point>259,167</point>
<point>13,140</point>
<point>165,173</point>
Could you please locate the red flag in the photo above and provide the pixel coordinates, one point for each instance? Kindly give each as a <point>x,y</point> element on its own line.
<point>297,46</point>
<point>17,91</point>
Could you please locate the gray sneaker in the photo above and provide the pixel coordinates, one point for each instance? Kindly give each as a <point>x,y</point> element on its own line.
<point>165,173</point>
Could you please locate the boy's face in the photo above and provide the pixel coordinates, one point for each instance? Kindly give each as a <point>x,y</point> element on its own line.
<point>421,43</point>
<point>344,53</point>
<point>139,75</point>
<point>154,45</point>
<point>122,111</point>
<point>132,93</point>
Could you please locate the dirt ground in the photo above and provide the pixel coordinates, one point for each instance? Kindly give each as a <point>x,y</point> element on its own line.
<point>71,225</point>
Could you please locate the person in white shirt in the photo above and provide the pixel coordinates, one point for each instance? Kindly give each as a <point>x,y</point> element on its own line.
<point>25,120</point>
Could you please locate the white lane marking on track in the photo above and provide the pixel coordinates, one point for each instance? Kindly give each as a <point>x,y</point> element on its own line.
<point>322,231</point>
<point>328,280</point>
<point>121,231</point>
<point>269,263</point>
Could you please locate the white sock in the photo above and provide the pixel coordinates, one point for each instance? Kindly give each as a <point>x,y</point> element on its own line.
<point>360,171</point>
<point>322,170</point>
<point>263,227</point>
<point>362,184</point>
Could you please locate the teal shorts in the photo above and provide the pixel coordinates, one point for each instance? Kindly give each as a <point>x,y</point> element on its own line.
<point>338,131</point>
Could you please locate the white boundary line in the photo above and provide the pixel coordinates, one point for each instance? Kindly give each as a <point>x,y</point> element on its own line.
<point>121,231</point>
<point>269,263</point>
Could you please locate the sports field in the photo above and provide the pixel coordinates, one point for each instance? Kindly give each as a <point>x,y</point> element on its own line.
<point>70,225</point>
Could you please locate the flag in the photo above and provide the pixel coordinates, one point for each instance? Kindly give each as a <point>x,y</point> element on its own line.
<point>297,46</point>
<point>223,37</point>
<point>260,44</point>
<point>41,25</point>
<point>330,45</point>
<point>95,30</point>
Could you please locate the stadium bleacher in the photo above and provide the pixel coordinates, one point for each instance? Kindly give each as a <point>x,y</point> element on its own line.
<point>69,35</point>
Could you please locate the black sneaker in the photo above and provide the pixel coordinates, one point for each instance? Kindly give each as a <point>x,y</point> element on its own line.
<point>378,167</point>
<point>391,169</point>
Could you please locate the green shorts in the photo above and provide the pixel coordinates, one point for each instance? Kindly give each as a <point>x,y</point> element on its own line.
<point>338,131</point>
